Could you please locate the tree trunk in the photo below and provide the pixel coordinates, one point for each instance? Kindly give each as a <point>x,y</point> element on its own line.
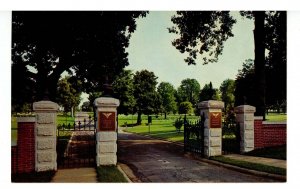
<point>165,115</point>
<point>259,62</point>
<point>139,118</point>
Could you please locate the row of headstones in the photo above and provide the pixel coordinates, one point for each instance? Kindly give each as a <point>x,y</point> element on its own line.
<point>106,128</point>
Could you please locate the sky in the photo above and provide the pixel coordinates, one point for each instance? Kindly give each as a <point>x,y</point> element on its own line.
<point>150,48</point>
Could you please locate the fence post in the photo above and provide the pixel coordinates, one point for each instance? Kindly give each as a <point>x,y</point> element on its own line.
<point>245,118</point>
<point>106,128</point>
<point>45,135</point>
<point>212,111</point>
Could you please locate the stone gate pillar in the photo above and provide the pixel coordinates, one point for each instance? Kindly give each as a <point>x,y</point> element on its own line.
<point>106,128</point>
<point>212,111</point>
<point>245,118</point>
<point>45,135</point>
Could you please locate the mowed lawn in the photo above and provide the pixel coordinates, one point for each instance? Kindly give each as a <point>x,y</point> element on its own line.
<point>276,117</point>
<point>160,127</point>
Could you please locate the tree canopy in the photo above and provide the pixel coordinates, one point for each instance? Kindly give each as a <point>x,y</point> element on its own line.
<point>123,90</point>
<point>189,90</point>
<point>68,94</point>
<point>227,89</point>
<point>167,91</point>
<point>204,32</point>
<point>145,93</point>
<point>209,93</point>
<point>86,44</point>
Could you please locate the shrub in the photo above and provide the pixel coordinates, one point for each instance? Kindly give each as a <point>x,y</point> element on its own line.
<point>178,124</point>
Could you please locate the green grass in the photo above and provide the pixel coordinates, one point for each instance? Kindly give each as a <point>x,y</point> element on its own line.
<point>108,174</point>
<point>64,119</point>
<point>160,127</point>
<point>276,117</point>
<point>249,165</point>
<point>278,152</point>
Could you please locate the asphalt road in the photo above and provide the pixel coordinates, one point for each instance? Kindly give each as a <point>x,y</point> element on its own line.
<point>159,161</point>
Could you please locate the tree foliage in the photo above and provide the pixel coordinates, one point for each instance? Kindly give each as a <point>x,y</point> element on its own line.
<point>145,94</point>
<point>205,32</point>
<point>202,32</point>
<point>227,89</point>
<point>245,87</point>
<point>185,108</point>
<point>123,90</point>
<point>166,92</point>
<point>86,44</point>
<point>68,94</point>
<point>209,93</point>
<point>188,90</point>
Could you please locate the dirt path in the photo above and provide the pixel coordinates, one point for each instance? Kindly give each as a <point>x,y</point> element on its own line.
<point>159,161</point>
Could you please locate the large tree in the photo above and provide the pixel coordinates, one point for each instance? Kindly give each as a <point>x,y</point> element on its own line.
<point>189,90</point>
<point>227,89</point>
<point>244,85</point>
<point>209,93</point>
<point>123,90</point>
<point>205,32</point>
<point>145,93</point>
<point>167,91</point>
<point>86,44</point>
<point>68,94</point>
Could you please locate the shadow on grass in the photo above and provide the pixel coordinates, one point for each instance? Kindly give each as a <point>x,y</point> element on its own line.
<point>276,152</point>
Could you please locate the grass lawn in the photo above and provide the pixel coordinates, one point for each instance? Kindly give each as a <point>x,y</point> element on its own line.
<point>108,174</point>
<point>278,152</point>
<point>249,165</point>
<point>160,127</point>
<point>276,117</point>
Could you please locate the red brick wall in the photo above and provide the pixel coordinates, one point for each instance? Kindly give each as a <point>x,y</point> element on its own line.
<point>14,159</point>
<point>23,156</point>
<point>266,135</point>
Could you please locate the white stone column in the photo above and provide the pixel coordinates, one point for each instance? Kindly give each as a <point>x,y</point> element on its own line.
<point>106,135</point>
<point>245,118</point>
<point>212,111</point>
<point>45,133</point>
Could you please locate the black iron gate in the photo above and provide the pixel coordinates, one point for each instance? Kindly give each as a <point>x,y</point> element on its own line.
<point>230,137</point>
<point>194,136</point>
<point>76,145</point>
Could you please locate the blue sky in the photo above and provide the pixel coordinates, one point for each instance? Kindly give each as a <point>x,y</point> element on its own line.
<point>150,48</point>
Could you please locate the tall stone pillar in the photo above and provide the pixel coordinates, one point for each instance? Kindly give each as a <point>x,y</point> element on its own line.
<point>245,118</point>
<point>212,111</point>
<point>45,133</point>
<point>106,136</point>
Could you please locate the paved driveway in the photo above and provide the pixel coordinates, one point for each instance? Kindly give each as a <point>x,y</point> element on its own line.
<point>159,161</point>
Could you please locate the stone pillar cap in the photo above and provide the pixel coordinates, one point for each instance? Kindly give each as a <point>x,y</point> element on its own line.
<point>106,101</point>
<point>244,109</point>
<point>211,104</point>
<point>26,119</point>
<point>45,105</point>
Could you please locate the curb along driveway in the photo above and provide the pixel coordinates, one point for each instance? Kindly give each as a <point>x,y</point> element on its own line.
<point>154,160</point>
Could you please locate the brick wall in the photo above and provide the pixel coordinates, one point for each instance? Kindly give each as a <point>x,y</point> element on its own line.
<point>267,134</point>
<point>23,155</point>
<point>14,162</point>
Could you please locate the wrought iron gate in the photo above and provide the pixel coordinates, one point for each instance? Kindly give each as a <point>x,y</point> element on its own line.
<point>194,136</point>
<point>230,137</point>
<point>76,145</point>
